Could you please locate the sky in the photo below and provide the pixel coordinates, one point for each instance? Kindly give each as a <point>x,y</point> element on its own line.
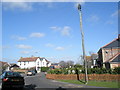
<point>52,29</point>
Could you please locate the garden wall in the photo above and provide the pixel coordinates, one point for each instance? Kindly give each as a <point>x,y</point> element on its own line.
<point>97,77</point>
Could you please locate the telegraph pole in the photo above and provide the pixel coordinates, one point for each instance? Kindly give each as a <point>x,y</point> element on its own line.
<point>83,47</point>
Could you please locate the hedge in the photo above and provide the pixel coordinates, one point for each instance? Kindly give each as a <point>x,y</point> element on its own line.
<point>89,71</point>
<point>44,69</point>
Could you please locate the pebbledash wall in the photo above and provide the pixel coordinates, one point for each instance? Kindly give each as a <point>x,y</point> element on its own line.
<point>92,77</point>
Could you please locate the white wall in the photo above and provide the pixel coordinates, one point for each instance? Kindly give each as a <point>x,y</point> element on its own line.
<point>26,65</point>
<point>37,63</point>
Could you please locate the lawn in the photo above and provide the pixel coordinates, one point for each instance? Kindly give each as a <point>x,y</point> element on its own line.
<point>95,83</point>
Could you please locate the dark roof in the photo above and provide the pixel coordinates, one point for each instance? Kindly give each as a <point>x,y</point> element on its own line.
<point>15,65</point>
<point>117,59</point>
<point>115,43</point>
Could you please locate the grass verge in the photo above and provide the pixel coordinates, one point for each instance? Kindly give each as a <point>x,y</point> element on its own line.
<point>95,83</point>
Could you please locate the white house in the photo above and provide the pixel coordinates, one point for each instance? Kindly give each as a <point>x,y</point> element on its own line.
<point>33,62</point>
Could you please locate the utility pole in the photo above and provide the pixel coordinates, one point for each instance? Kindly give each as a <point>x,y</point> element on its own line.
<point>83,47</point>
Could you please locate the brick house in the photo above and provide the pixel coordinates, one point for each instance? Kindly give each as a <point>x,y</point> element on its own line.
<point>109,55</point>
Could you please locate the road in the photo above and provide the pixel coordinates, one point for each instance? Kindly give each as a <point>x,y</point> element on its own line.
<point>39,82</point>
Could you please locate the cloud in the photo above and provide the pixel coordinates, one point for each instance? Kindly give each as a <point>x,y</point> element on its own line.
<point>93,18</point>
<point>5,47</point>
<point>37,35</point>
<point>19,38</point>
<point>24,6</point>
<point>109,22</point>
<point>115,13</point>
<point>64,31</point>
<point>25,52</point>
<point>60,48</point>
<point>22,46</point>
<point>55,28</point>
<point>47,4</point>
<point>49,45</point>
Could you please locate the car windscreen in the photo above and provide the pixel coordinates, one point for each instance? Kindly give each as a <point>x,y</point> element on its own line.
<point>12,74</point>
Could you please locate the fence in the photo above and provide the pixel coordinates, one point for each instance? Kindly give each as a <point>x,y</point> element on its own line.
<point>97,77</point>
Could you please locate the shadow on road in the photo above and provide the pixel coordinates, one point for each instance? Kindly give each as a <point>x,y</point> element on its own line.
<point>29,87</point>
<point>60,88</point>
<point>26,87</point>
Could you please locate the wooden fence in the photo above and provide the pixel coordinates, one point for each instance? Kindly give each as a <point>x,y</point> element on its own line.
<point>97,77</point>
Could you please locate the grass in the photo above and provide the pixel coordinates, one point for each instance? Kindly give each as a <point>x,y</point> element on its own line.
<point>95,83</point>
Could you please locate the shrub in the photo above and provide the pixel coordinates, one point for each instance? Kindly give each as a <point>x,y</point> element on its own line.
<point>116,70</point>
<point>57,71</point>
<point>44,69</point>
<point>89,71</point>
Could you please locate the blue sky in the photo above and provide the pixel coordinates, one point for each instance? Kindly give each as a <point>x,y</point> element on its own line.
<point>52,29</point>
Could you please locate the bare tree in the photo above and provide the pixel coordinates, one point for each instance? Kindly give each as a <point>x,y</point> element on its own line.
<point>63,64</point>
<point>70,63</point>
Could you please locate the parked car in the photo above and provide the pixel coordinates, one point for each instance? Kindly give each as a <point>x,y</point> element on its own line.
<point>31,72</point>
<point>12,80</point>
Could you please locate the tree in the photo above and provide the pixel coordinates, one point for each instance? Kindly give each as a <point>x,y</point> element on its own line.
<point>70,63</point>
<point>63,64</point>
<point>78,66</point>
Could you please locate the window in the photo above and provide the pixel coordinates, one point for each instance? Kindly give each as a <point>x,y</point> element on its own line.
<point>37,63</point>
<point>24,63</point>
<point>20,63</point>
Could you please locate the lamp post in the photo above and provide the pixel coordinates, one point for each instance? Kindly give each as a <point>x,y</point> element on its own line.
<point>83,47</point>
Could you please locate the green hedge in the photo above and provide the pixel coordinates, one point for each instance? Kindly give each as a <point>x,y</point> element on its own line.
<point>82,70</point>
<point>44,69</point>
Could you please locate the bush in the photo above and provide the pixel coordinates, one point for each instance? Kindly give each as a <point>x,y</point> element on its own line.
<point>97,71</point>
<point>89,71</point>
<point>116,70</point>
<point>44,69</point>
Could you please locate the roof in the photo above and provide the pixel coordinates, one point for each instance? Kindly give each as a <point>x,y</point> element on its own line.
<point>30,59</point>
<point>88,58</point>
<point>112,44</point>
<point>14,65</point>
<point>4,63</point>
<point>116,58</point>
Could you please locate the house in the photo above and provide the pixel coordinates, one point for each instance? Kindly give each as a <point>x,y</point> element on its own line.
<point>33,62</point>
<point>92,60</point>
<point>109,55</point>
<point>14,66</point>
<point>55,66</point>
<point>4,66</point>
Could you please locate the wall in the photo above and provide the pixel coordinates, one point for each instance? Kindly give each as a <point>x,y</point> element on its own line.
<point>26,65</point>
<point>115,65</point>
<point>97,77</point>
<point>108,53</point>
